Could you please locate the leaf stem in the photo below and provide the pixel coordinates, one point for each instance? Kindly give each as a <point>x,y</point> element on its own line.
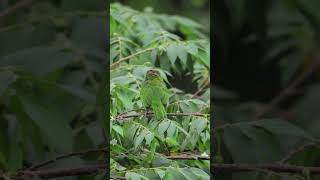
<point>131,56</point>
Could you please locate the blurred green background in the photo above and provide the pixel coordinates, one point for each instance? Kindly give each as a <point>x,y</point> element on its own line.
<point>198,10</point>
<point>52,63</point>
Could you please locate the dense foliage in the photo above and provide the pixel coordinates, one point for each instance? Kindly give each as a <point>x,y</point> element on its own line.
<point>267,51</point>
<point>144,148</point>
<point>52,60</point>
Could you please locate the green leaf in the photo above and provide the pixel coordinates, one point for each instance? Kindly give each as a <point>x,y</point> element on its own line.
<point>125,96</point>
<point>118,129</point>
<point>135,176</point>
<point>130,131</point>
<point>171,130</point>
<point>154,56</point>
<point>282,127</point>
<point>37,60</point>
<point>82,140</point>
<point>173,173</point>
<point>163,126</point>
<point>172,53</point>
<point>165,62</point>
<point>180,128</point>
<point>200,173</point>
<point>151,154</point>
<point>89,35</point>
<point>182,54</point>
<point>138,140</point>
<point>187,174</point>
<point>6,78</point>
<point>262,140</point>
<point>51,109</point>
<point>79,92</point>
<point>149,137</point>
<point>26,36</point>
<point>192,49</point>
<point>203,58</point>
<point>239,145</point>
<point>306,109</point>
<point>161,173</point>
<point>199,124</point>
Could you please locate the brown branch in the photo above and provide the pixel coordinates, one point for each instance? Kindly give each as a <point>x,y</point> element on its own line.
<point>130,56</point>
<point>201,88</point>
<point>215,168</point>
<point>299,149</point>
<point>188,157</point>
<point>17,6</point>
<point>236,124</point>
<point>88,169</point>
<point>36,166</point>
<point>121,117</point>
<point>290,89</point>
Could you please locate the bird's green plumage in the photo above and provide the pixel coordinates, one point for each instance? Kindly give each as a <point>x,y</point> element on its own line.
<point>154,94</point>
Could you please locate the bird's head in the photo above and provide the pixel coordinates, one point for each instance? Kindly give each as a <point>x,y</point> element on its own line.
<point>152,74</point>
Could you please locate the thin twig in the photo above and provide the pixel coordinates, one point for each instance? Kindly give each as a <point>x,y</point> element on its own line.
<point>130,111</point>
<point>235,124</point>
<point>290,89</point>
<point>121,117</point>
<point>201,89</point>
<point>17,6</point>
<point>88,169</point>
<point>128,57</point>
<point>36,166</point>
<point>184,156</point>
<point>299,149</point>
<point>215,168</point>
<point>188,157</point>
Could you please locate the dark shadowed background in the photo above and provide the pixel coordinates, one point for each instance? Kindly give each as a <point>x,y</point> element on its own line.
<point>52,62</point>
<point>266,84</point>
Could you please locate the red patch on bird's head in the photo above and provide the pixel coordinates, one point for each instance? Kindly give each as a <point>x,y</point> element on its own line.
<point>153,72</point>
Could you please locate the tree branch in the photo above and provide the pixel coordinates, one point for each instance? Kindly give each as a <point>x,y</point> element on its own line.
<point>188,157</point>
<point>128,57</point>
<point>121,117</point>
<point>290,89</point>
<point>88,169</point>
<point>36,166</point>
<point>216,168</point>
<point>236,124</point>
<point>201,88</point>
<point>299,149</point>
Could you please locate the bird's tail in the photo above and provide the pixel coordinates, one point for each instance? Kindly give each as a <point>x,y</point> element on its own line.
<point>158,109</point>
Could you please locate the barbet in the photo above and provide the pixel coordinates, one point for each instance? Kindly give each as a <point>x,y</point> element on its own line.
<point>154,94</point>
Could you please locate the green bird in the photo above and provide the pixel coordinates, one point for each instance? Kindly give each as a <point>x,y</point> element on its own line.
<point>154,94</point>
